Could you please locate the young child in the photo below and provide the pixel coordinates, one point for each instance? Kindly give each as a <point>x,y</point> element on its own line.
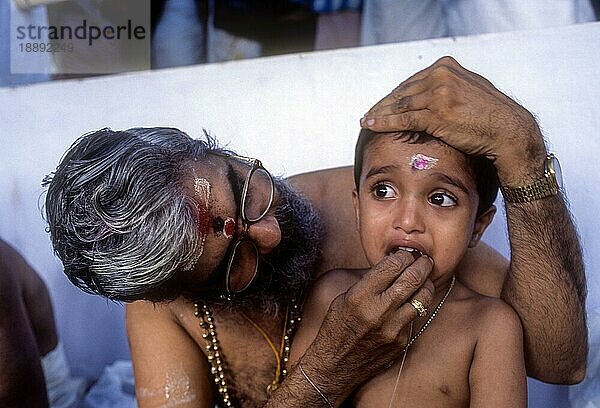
<point>415,193</point>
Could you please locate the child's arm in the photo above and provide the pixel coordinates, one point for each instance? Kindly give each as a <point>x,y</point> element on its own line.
<point>497,376</point>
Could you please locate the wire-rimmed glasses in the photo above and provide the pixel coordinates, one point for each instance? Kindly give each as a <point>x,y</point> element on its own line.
<point>256,200</point>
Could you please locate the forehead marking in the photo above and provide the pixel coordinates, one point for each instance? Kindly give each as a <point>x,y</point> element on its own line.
<point>422,162</point>
<point>229,228</point>
<point>202,190</point>
<point>224,226</point>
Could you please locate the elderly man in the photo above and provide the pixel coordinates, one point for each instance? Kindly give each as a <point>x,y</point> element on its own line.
<point>216,254</point>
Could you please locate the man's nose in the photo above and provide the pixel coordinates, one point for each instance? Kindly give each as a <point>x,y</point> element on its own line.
<point>265,233</point>
<point>407,216</point>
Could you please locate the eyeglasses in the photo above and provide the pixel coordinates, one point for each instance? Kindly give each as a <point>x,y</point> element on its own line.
<point>256,200</point>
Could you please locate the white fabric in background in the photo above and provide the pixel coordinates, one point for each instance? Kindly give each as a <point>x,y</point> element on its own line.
<point>467,17</point>
<point>388,21</point>
<point>37,67</point>
<point>64,391</point>
<point>179,36</point>
<point>115,388</point>
<point>179,40</point>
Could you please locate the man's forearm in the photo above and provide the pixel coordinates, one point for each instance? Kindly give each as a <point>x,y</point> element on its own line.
<point>546,286</point>
<point>297,392</point>
<point>321,378</point>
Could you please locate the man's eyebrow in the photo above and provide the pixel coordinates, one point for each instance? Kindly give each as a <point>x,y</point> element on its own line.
<point>380,170</point>
<point>237,185</point>
<point>451,180</point>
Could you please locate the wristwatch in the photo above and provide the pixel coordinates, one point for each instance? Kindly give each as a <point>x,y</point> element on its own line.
<point>545,187</point>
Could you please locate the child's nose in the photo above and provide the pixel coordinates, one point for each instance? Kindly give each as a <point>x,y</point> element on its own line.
<point>408,216</point>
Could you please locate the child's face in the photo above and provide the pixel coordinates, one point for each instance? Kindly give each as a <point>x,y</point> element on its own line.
<point>420,196</point>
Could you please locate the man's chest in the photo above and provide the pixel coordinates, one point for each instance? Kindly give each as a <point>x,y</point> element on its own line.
<point>244,353</point>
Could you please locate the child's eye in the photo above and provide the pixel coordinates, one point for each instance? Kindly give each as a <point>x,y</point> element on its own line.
<point>442,200</point>
<point>383,191</point>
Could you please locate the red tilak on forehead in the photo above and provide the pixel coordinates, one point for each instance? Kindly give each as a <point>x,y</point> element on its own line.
<point>202,189</point>
<point>204,219</point>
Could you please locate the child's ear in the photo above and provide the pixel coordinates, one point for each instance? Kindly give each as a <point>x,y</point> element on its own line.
<point>481,224</point>
<point>356,208</point>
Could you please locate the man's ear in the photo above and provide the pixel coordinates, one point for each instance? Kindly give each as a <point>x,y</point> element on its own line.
<point>481,224</point>
<point>356,204</point>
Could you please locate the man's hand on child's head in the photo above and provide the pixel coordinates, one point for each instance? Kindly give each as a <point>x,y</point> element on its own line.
<point>467,112</point>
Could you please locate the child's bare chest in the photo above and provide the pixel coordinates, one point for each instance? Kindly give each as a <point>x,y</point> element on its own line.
<point>435,374</point>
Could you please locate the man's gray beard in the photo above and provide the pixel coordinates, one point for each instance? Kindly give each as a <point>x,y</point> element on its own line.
<point>285,272</point>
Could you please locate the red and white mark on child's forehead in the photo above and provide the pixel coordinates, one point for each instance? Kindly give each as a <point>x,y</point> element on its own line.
<point>422,162</point>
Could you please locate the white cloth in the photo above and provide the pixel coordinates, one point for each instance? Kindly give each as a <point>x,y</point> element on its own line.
<point>63,390</point>
<point>115,388</point>
<point>387,21</point>
<point>18,67</point>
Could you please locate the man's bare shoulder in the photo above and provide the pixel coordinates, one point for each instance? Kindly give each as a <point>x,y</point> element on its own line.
<point>144,311</point>
<point>330,191</point>
<point>483,269</point>
<point>317,183</point>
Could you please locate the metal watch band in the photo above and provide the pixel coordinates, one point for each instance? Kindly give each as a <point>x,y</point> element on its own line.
<point>542,188</point>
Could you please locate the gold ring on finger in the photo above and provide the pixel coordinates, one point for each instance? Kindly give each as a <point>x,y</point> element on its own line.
<point>419,307</point>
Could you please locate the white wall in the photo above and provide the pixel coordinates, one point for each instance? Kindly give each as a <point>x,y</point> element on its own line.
<point>296,113</point>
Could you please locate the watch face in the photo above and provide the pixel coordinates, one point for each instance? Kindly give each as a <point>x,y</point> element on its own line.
<point>553,167</point>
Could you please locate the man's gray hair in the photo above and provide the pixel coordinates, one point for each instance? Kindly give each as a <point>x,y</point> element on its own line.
<point>119,217</point>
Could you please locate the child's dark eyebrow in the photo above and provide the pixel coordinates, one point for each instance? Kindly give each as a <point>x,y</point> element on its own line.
<point>380,170</point>
<point>450,180</point>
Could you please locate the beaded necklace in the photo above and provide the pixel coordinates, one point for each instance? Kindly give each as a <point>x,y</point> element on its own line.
<point>217,361</point>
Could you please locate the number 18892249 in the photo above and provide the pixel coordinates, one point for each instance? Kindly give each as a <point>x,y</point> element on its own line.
<point>46,47</point>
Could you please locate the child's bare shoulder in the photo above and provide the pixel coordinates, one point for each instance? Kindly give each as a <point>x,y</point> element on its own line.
<point>333,283</point>
<point>316,304</point>
<point>489,315</point>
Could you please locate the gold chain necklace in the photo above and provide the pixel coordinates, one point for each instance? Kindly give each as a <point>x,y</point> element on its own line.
<point>283,352</point>
<point>215,355</point>
<point>436,310</point>
<point>412,340</point>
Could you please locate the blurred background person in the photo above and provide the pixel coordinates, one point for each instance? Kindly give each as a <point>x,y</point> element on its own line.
<point>30,350</point>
